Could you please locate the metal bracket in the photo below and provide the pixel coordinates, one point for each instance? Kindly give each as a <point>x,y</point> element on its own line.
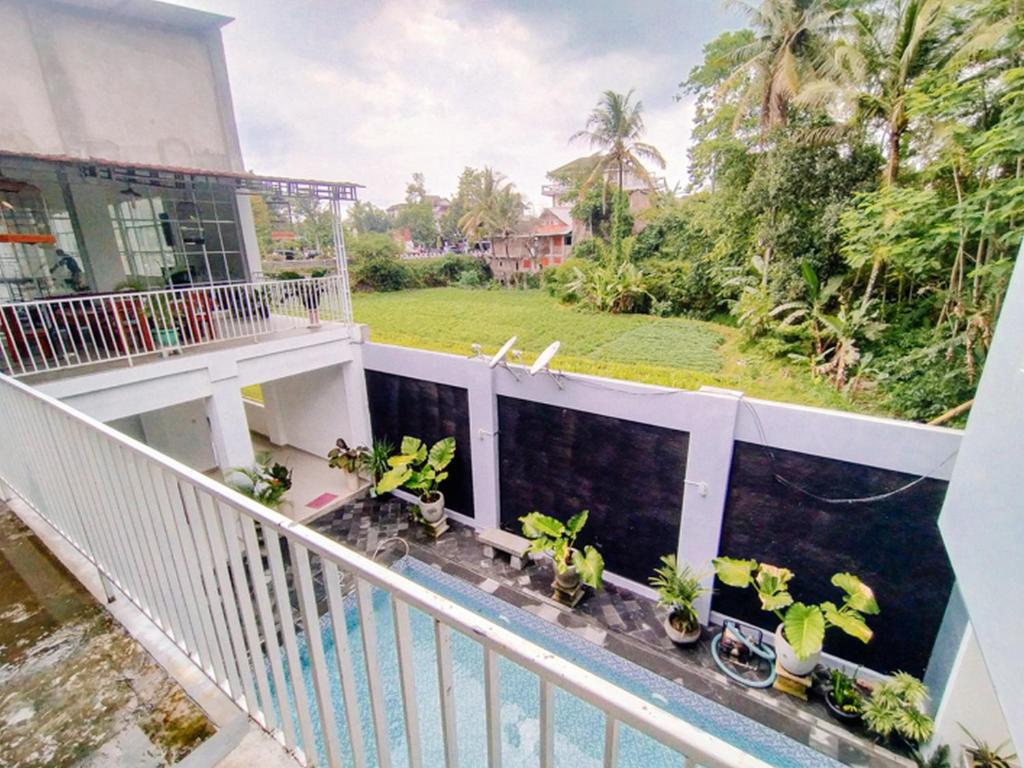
<point>482,432</point>
<point>702,487</point>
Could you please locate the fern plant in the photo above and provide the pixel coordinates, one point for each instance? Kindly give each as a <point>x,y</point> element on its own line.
<point>896,707</point>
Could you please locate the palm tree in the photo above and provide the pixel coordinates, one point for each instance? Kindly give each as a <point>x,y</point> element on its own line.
<point>787,52</point>
<point>494,207</point>
<point>615,127</point>
<point>871,73</point>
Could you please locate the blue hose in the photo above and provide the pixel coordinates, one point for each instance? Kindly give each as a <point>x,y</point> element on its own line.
<point>759,649</point>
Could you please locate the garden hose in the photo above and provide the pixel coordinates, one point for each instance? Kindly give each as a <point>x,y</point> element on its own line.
<point>761,650</point>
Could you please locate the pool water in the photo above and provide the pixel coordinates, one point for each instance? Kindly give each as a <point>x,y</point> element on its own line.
<point>579,727</point>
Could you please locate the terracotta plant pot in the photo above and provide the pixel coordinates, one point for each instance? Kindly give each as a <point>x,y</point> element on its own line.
<point>432,511</point>
<point>686,637</point>
<point>788,658</point>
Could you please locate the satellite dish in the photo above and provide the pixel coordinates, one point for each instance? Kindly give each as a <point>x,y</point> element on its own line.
<point>500,356</point>
<point>545,357</point>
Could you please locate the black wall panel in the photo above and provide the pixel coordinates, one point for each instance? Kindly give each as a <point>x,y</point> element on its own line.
<point>894,546</point>
<point>629,475</point>
<point>400,406</point>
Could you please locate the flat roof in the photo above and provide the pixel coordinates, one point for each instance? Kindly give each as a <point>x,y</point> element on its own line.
<point>179,177</point>
<point>150,11</point>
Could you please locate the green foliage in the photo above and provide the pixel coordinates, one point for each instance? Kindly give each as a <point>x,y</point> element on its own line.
<point>844,693</point>
<point>678,588</point>
<point>549,534</point>
<point>985,756</point>
<point>939,758</point>
<point>673,352</point>
<point>264,482</point>
<point>896,706</point>
<point>417,469</point>
<point>365,217</point>
<point>349,459</point>
<point>418,218</point>
<point>804,626</point>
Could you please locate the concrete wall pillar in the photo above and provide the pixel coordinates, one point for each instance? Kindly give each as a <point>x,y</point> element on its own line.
<point>708,460</point>
<point>105,266</point>
<point>250,243</point>
<point>232,445</point>
<point>356,400</point>
<point>483,435</point>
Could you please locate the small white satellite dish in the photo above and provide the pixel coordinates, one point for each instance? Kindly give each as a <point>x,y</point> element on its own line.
<point>500,356</point>
<point>541,363</point>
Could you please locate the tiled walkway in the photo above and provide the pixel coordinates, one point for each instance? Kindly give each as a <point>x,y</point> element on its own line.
<point>620,621</point>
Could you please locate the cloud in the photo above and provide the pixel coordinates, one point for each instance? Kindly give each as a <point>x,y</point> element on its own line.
<point>371,93</point>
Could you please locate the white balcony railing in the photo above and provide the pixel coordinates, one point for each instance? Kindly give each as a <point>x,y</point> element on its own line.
<point>72,331</point>
<point>208,566</point>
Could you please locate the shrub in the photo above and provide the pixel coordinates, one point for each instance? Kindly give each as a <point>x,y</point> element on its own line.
<point>373,245</point>
<point>383,274</point>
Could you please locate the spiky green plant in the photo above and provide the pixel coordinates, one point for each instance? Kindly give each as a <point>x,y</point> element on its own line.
<point>896,706</point>
<point>678,588</point>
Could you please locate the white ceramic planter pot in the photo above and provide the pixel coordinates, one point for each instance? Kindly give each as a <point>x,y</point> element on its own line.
<point>681,638</point>
<point>433,511</point>
<point>569,579</point>
<point>788,658</point>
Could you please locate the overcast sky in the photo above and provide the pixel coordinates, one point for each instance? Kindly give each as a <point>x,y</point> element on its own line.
<point>369,92</point>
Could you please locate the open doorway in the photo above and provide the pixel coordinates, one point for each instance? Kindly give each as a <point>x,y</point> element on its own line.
<point>295,421</point>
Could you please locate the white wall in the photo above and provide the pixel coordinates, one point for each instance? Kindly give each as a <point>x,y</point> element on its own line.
<point>982,520</point>
<point>183,433</point>
<point>970,701</point>
<point>85,83</point>
<point>714,418</point>
<point>308,411</point>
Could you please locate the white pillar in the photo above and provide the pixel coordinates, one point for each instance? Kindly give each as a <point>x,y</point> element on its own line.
<point>483,436</point>
<point>708,461</point>
<point>356,400</point>
<point>250,243</point>
<point>969,700</point>
<point>229,429</point>
<point>91,208</point>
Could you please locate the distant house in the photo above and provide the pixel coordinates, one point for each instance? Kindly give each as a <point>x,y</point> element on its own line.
<point>563,180</point>
<point>543,241</point>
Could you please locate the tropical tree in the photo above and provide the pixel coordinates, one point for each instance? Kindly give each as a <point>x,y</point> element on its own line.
<point>788,50</point>
<point>493,208</point>
<point>615,127</point>
<point>366,217</point>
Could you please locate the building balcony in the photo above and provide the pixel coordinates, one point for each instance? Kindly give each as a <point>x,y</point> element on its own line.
<point>85,333</point>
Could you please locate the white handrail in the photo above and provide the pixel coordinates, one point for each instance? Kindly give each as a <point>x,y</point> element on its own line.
<point>73,331</point>
<point>184,549</point>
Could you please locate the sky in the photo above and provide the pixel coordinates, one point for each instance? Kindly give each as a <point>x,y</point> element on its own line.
<point>372,92</point>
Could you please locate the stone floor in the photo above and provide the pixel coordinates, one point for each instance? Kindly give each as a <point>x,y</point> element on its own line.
<point>75,688</point>
<point>619,620</point>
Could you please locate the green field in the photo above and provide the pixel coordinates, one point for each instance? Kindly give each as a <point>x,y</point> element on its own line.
<point>672,351</point>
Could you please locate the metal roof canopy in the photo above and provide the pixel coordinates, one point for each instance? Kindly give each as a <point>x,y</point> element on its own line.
<point>172,177</point>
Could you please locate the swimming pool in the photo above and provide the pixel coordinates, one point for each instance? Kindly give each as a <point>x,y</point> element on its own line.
<point>579,727</point>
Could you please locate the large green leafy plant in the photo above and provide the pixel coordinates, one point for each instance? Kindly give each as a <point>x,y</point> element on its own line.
<point>418,469</point>
<point>804,625</point>
<point>897,707</point>
<point>549,534</point>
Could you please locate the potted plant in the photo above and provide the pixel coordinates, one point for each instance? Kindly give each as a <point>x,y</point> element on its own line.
<point>800,634</point>
<point>843,698</point>
<point>375,461</point>
<point>549,534</point>
<point>980,755</point>
<point>421,471</point>
<point>342,457</point>
<point>895,709</point>
<point>263,482</point>
<point>678,588</point>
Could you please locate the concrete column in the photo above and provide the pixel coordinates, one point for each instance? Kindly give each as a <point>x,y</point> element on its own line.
<point>969,700</point>
<point>483,433</point>
<point>232,445</point>
<point>250,243</point>
<point>356,400</point>
<point>105,265</point>
<point>708,461</point>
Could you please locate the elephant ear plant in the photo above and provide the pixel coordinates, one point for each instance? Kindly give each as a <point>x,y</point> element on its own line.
<point>802,627</point>
<point>421,471</point>
<point>549,534</point>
